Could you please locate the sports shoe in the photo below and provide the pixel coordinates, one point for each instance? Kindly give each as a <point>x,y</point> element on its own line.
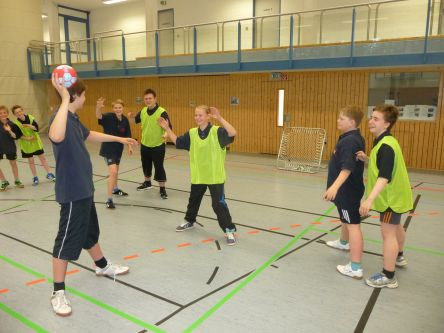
<point>380,280</point>
<point>120,192</point>
<point>231,238</point>
<point>146,185</point>
<point>348,271</point>
<point>51,176</point>
<point>19,184</point>
<point>112,270</point>
<point>4,185</point>
<point>336,244</point>
<point>110,204</point>
<point>60,304</point>
<point>163,194</point>
<point>185,226</point>
<point>401,261</point>
<point>35,181</point>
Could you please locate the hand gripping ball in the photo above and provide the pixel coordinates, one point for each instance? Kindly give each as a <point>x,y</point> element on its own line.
<point>67,75</point>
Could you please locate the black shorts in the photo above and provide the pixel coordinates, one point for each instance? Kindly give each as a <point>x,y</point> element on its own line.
<point>390,217</point>
<point>36,153</point>
<point>349,216</point>
<point>110,160</point>
<point>10,157</point>
<point>78,229</point>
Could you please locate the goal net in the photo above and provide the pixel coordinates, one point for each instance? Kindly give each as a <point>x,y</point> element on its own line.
<point>301,149</point>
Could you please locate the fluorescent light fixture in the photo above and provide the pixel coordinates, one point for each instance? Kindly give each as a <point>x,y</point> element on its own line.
<point>281,107</point>
<point>110,2</point>
<point>44,16</point>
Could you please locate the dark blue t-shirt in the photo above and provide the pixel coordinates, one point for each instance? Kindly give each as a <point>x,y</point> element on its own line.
<point>73,164</point>
<point>113,126</point>
<point>344,158</point>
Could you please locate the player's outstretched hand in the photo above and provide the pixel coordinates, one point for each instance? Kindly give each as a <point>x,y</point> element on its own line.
<point>163,123</point>
<point>360,155</point>
<point>61,89</point>
<point>215,113</point>
<point>100,104</point>
<point>330,194</point>
<point>129,141</point>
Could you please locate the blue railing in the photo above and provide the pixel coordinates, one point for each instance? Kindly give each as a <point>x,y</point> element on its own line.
<point>400,32</point>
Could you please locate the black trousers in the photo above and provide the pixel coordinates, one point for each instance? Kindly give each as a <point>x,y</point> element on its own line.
<point>154,156</point>
<point>218,202</point>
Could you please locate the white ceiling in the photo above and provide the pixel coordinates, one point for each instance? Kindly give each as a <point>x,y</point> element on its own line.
<point>88,4</point>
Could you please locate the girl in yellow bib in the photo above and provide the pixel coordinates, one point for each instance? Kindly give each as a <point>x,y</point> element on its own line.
<point>29,148</point>
<point>207,146</point>
<point>388,192</point>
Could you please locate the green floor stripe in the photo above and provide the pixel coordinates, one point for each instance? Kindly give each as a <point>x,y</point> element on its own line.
<point>88,298</point>
<point>377,241</point>
<point>235,290</point>
<point>22,319</point>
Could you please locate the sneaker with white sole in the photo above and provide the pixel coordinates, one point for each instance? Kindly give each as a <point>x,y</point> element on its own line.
<point>348,271</point>
<point>336,244</point>
<point>60,304</point>
<point>184,226</point>
<point>401,261</point>
<point>35,181</point>
<point>231,237</point>
<point>112,270</point>
<point>380,280</point>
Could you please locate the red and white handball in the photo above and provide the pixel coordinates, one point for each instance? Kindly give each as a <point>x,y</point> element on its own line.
<point>66,74</point>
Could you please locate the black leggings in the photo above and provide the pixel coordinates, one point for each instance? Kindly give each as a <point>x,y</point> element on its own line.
<point>218,202</point>
<point>154,156</point>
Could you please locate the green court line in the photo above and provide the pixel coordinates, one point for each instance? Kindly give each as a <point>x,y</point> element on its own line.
<point>23,319</point>
<point>235,290</point>
<point>88,298</point>
<point>376,241</point>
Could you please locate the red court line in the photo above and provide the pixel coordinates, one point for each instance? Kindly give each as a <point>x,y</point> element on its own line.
<point>184,245</point>
<point>4,291</point>
<point>413,214</point>
<point>295,225</point>
<point>433,213</point>
<point>275,228</point>
<point>252,232</point>
<point>374,217</point>
<point>335,220</point>
<point>30,283</point>
<point>316,222</point>
<point>158,250</point>
<point>209,240</point>
<point>134,256</point>
<point>72,272</point>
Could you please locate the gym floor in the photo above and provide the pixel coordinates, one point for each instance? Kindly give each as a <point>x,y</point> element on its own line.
<point>279,277</point>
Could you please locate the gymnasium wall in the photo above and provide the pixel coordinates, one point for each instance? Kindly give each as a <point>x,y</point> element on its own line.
<point>312,99</point>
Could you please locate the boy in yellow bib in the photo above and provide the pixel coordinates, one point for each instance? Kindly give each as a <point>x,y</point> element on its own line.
<point>207,146</point>
<point>31,148</point>
<point>388,192</point>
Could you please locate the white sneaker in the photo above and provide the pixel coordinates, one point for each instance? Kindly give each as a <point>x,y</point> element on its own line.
<point>336,244</point>
<point>112,270</point>
<point>231,237</point>
<point>60,304</point>
<point>348,271</point>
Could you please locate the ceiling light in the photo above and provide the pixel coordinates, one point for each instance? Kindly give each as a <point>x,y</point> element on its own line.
<point>44,16</point>
<point>110,2</point>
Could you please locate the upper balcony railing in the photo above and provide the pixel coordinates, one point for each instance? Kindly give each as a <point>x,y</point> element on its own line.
<point>386,28</point>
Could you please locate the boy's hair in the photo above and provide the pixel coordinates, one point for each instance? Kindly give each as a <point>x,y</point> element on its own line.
<point>389,112</point>
<point>15,107</point>
<point>75,90</point>
<point>205,108</point>
<point>150,91</point>
<point>4,107</point>
<point>353,112</point>
<point>118,101</point>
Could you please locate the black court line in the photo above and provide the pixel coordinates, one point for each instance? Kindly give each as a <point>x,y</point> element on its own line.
<point>213,275</point>
<point>274,266</point>
<point>201,298</point>
<point>419,184</point>
<point>247,202</point>
<point>16,211</point>
<point>376,291</point>
<point>92,270</point>
<point>217,244</point>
